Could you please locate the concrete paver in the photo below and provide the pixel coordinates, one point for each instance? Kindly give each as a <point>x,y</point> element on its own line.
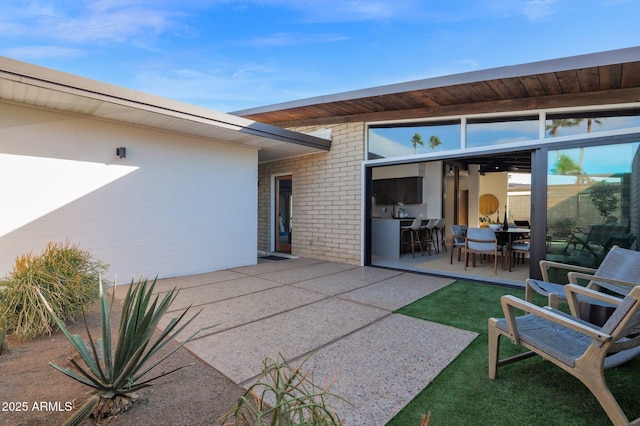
<point>342,314</point>
<point>239,352</point>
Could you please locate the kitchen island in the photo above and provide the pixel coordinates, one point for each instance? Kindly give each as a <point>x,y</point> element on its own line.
<point>385,235</point>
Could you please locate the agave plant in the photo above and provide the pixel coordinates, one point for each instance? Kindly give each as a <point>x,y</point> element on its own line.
<point>116,374</point>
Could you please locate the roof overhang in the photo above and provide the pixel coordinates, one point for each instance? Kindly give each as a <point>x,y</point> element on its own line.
<point>591,79</point>
<point>28,84</point>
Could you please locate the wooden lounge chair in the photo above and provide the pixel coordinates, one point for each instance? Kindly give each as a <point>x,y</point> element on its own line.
<point>618,272</point>
<point>596,236</point>
<point>581,349</point>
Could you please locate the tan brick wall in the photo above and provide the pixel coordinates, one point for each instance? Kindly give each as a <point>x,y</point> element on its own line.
<point>326,198</point>
<point>520,207</point>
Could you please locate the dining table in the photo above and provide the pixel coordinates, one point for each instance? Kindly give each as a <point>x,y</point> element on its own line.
<point>510,235</point>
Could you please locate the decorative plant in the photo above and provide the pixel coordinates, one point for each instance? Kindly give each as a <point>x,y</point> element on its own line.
<point>283,395</point>
<point>563,226</point>
<point>486,219</point>
<point>4,344</point>
<point>604,198</point>
<point>401,209</point>
<point>65,274</point>
<point>116,374</point>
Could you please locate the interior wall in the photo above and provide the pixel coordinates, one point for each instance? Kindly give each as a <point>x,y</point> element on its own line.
<point>175,205</point>
<point>473,185</point>
<point>432,189</point>
<point>398,171</point>
<point>496,184</point>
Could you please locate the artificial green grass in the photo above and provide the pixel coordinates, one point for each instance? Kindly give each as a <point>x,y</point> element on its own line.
<point>528,392</point>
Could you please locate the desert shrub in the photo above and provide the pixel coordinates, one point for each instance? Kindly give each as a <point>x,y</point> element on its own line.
<point>65,274</point>
<point>284,395</point>
<point>4,344</point>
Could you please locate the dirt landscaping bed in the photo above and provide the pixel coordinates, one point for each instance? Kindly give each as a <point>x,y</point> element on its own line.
<point>34,393</point>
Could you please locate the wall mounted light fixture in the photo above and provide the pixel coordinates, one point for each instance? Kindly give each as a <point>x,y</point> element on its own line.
<point>121,152</point>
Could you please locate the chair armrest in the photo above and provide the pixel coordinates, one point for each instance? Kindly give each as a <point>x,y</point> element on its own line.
<point>510,303</point>
<point>553,291</point>
<point>574,276</point>
<point>546,264</point>
<point>458,240</point>
<point>573,290</point>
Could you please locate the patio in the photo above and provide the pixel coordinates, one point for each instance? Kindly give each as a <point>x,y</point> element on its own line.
<point>380,360</point>
<point>440,264</point>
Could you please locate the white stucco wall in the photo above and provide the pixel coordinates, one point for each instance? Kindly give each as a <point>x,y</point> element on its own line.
<point>176,205</point>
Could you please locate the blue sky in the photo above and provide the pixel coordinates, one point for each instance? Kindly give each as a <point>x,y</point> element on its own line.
<point>230,55</point>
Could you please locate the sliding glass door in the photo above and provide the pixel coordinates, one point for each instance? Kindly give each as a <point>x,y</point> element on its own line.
<point>592,202</point>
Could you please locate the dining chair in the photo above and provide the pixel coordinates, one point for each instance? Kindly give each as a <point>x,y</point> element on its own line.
<point>481,241</point>
<point>520,248</point>
<point>458,234</point>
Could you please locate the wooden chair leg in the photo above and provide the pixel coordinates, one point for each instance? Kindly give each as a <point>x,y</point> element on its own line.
<point>597,384</point>
<point>415,238</point>
<point>412,244</point>
<point>434,239</point>
<point>419,242</point>
<point>427,241</point>
<point>443,242</point>
<point>528,293</point>
<point>494,350</point>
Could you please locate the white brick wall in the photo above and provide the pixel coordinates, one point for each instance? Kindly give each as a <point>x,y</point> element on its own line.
<point>327,198</point>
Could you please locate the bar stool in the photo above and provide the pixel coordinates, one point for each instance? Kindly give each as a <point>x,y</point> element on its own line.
<point>439,229</point>
<point>428,234</point>
<point>414,232</point>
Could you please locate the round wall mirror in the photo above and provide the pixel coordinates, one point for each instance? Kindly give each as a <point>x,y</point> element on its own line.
<point>488,204</point>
